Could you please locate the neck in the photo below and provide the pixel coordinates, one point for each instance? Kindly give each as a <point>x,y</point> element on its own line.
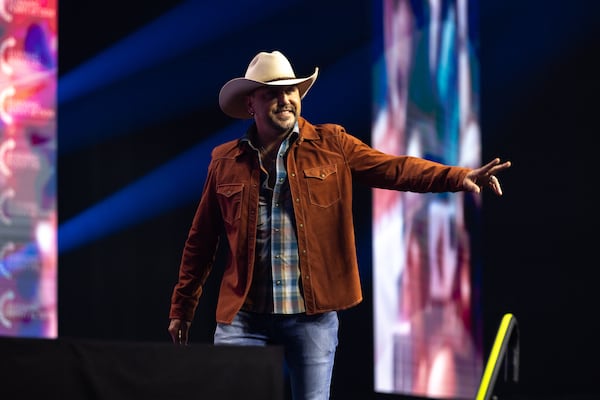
<point>270,140</point>
<point>269,148</point>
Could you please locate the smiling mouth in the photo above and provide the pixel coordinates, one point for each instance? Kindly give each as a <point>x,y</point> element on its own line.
<point>285,110</point>
<point>285,115</point>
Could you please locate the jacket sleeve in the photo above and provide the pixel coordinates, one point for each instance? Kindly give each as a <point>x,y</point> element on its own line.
<point>198,253</point>
<point>406,173</point>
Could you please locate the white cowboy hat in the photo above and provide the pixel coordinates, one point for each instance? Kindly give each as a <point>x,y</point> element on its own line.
<point>265,69</point>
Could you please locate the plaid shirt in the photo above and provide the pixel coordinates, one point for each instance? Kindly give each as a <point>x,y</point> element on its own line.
<point>276,280</point>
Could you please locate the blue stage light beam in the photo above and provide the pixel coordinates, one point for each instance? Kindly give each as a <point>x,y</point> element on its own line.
<point>190,24</point>
<point>172,184</point>
<point>148,90</point>
<point>176,182</point>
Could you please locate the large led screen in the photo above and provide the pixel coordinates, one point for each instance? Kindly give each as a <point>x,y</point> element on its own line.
<point>28,65</point>
<point>426,259</point>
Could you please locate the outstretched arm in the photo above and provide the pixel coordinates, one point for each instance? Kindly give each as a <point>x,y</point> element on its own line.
<point>485,176</point>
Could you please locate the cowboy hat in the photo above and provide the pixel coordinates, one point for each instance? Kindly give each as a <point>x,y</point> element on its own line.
<point>265,69</point>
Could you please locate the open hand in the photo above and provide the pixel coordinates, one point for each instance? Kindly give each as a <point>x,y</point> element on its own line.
<point>485,176</point>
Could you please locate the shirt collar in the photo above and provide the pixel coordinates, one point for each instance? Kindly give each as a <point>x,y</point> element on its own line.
<point>251,134</point>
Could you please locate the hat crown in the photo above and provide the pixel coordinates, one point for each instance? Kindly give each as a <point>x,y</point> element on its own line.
<point>265,69</point>
<point>268,67</point>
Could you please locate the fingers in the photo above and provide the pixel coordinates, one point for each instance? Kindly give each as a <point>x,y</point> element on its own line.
<point>179,331</point>
<point>488,171</point>
<point>471,186</point>
<point>495,166</point>
<point>182,334</point>
<point>499,167</point>
<point>174,333</point>
<point>478,179</point>
<point>495,185</point>
<point>487,168</point>
<point>494,182</point>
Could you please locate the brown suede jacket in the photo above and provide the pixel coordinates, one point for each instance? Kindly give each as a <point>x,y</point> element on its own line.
<point>322,164</point>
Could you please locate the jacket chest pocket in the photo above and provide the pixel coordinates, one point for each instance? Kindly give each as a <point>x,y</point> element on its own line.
<point>323,185</point>
<point>230,201</point>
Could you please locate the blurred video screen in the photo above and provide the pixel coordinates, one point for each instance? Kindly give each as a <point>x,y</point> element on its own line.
<point>426,256</point>
<point>28,240</point>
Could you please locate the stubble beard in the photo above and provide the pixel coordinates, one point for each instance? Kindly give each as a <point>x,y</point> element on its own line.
<point>283,126</point>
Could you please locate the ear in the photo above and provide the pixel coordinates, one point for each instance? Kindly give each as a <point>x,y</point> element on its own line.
<point>249,105</point>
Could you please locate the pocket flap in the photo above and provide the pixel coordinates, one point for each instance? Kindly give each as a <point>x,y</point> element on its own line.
<point>230,189</point>
<point>320,172</point>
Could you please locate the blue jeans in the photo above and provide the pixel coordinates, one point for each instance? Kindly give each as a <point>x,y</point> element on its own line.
<point>309,343</point>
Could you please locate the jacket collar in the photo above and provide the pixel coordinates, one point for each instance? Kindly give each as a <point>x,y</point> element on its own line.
<point>307,132</point>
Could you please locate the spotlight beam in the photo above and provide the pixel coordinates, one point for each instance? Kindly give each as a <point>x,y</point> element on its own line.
<point>193,23</point>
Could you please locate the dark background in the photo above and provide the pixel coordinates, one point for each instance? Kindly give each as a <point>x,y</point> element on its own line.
<point>539,85</point>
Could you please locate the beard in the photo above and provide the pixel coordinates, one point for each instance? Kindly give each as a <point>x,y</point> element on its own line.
<point>283,120</point>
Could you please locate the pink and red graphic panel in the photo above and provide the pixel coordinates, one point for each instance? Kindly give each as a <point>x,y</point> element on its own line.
<point>28,221</point>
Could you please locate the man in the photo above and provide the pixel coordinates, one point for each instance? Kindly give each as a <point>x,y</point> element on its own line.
<point>282,198</point>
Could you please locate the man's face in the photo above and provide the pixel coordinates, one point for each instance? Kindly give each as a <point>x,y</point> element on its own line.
<point>276,108</point>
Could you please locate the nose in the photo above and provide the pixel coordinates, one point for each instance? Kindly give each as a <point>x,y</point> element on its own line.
<point>283,97</point>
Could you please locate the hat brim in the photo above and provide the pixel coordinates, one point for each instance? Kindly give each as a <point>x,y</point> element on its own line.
<point>232,97</point>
